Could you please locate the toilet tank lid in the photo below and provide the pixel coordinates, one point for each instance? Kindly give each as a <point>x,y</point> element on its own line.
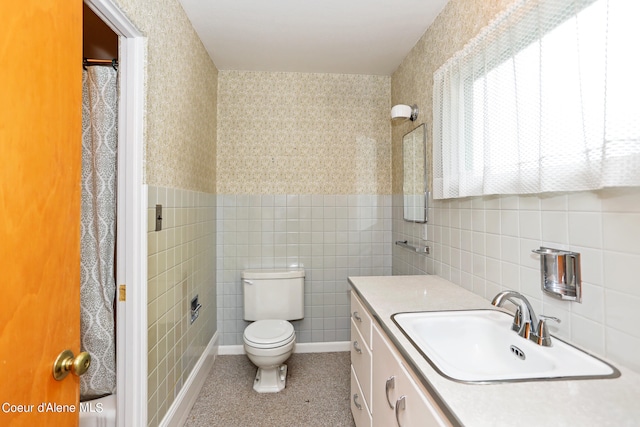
<point>290,273</point>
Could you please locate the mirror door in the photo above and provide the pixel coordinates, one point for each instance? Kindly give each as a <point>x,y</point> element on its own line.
<point>414,175</point>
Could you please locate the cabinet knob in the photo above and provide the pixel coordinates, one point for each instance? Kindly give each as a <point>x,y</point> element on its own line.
<point>355,345</point>
<point>357,316</point>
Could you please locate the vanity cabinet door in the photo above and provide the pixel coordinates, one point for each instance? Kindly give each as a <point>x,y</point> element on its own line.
<point>397,400</point>
<point>386,370</point>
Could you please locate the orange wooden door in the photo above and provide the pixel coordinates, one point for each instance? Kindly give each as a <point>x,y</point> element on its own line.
<point>40,141</point>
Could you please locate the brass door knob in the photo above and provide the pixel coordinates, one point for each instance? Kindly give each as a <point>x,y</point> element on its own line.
<point>66,363</point>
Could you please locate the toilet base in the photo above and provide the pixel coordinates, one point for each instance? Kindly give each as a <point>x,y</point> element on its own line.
<point>270,380</point>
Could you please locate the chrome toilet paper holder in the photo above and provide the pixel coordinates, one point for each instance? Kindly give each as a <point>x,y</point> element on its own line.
<point>560,271</point>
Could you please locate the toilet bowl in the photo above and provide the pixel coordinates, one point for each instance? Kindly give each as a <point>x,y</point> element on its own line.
<point>271,299</point>
<point>268,344</point>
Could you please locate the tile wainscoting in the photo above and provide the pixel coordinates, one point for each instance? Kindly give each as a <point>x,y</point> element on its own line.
<point>331,236</point>
<point>181,265</point>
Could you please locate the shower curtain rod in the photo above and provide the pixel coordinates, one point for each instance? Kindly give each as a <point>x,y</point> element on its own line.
<point>87,62</point>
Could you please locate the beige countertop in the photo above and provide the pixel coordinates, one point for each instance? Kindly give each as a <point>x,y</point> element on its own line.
<point>604,402</point>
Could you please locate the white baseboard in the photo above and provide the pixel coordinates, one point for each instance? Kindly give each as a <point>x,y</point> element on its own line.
<point>179,410</point>
<point>322,347</point>
<point>230,349</point>
<point>301,347</point>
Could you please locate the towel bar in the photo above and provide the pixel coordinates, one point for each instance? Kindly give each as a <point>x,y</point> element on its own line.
<point>419,249</point>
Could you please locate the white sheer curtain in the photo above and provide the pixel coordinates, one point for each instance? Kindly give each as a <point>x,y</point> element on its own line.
<point>545,98</point>
<point>97,230</point>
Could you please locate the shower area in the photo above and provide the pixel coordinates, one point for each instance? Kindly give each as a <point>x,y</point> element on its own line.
<point>98,222</point>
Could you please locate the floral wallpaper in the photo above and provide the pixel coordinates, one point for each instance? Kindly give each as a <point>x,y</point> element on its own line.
<point>181,93</point>
<point>295,133</point>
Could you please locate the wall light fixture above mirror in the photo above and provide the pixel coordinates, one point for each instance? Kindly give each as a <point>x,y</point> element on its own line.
<point>403,112</point>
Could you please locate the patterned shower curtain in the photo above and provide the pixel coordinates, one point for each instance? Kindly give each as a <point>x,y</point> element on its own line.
<point>97,230</point>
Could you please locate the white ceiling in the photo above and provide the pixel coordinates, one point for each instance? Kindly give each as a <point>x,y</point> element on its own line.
<point>312,36</point>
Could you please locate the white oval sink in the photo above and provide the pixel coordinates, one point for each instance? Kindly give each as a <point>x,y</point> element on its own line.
<point>479,346</point>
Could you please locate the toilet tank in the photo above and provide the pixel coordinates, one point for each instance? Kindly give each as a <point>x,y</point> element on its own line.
<point>273,294</point>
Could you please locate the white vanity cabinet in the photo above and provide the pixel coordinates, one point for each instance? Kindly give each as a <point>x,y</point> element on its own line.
<point>383,391</point>
<point>361,363</point>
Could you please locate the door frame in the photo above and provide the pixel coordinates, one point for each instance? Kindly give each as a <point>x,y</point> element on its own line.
<point>131,331</point>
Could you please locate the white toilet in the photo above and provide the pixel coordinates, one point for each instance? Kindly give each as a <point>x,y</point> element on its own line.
<point>271,299</point>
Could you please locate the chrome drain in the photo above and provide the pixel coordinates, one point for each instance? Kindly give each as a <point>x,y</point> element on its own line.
<point>519,353</point>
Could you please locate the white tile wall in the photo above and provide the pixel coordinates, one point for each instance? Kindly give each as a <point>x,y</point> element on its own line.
<point>181,264</point>
<point>484,244</point>
<point>331,236</point>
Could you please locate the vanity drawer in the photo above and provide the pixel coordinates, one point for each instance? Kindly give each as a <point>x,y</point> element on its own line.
<point>361,318</point>
<point>361,361</point>
<point>359,408</point>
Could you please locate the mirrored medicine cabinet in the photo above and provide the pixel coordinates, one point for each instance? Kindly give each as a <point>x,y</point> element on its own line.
<point>414,175</point>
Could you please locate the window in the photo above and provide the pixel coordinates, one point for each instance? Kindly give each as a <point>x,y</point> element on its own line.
<point>545,98</point>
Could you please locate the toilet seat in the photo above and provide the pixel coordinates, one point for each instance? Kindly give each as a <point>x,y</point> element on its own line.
<point>269,334</point>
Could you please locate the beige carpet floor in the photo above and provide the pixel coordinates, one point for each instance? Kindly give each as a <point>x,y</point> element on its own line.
<point>316,394</point>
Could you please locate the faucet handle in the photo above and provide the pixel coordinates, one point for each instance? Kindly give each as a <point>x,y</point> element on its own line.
<point>521,325</point>
<point>517,319</point>
<point>555,319</point>
<point>544,338</point>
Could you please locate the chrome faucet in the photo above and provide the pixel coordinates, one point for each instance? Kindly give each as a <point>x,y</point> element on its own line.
<point>525,322</point>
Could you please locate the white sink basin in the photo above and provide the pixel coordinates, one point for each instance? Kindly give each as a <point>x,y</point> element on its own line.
<point>479,346</point>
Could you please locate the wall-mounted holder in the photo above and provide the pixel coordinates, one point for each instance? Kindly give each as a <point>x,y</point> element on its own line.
<point>195,309</point>
<point>418,249</point>
<point>560,271</point>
